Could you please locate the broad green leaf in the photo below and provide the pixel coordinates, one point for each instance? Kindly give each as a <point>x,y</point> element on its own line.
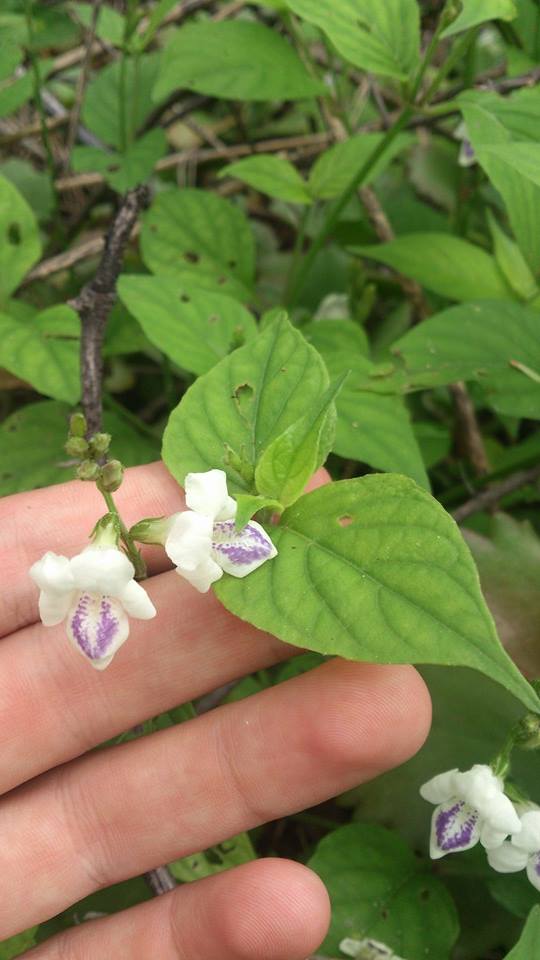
<point>527,948</point>
<point>384,576</point>
<point>14,92</point>
<point>110,23</point>
<point>197,232</point>
<point>494,121</point>
<point>334,169</point>
<point>380,37</point>
<point>231,414</point>
<point>20,244</point>
<point>231,853</point>
<point>193,327</point>
<point>32,446</point>
<point>371,428</point>
<point>379,889</point>
<point>448,265</point>
<point>34,185</point>
<point>236,60</point>
<point>522,157</point>
<point>18,944</point>
<point>377,430</point>
<point>292,458</point>
<point>10,55</point>
<point>512,263</point>
<point>44,351</point>
<point>123,171</point>
<point>475,12</point>
<point>477,341</point>
<point>272,175</point>
<point>108,105</point>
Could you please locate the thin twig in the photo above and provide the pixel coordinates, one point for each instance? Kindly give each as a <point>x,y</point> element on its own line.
<point>63,261</point>
<point>491,496</point>
<point>96,299</point>
<point>468,435</point>
<point>8,136</point>
<point>315,141</point>
<point>82,81</point>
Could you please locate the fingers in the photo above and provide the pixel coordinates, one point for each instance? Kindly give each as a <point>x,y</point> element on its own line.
<point>53,706</point>
<point>122,811</point>
<point>61,519</point>
<point>266,910</point>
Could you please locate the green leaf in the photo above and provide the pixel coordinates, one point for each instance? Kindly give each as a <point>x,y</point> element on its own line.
<point>522,157</point>
<point>20,244</point>
<point>231,853</point>
<point>475,12</point>
<point>110,24</point>
<point>272,175</point>
<point>17,944</point>
<point>34,185</point>
<point>333,171</point>
<point>371,428</point>
<point>193,327</point>
<point>32,446</point>
<point>231,414</point>
<point>14,92</point>
<point>197,232</point>
<point>123,171</point>
<point>511,262</point>
<point>44,351</point>
<point>448,265</point>
<point>477,341</point>
<point>384,576</point>
<point>379,890</point>
<point>286,465</point>
<point>236,60</point>
<point>101,108</point>
<point>249,505</point>
<point>491,121</point>
<point>381,37</point>
<point>527,948</point>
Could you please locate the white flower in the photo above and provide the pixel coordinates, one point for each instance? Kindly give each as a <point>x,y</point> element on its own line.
<point>367,950</point>
<point>522,851</point>
<point>94,592</point>
<point>203,542</point>
<point>467,154</point>
<point>471,807</point>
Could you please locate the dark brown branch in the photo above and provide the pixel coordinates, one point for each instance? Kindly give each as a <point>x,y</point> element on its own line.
<point>468,437</point>
<point>96,299</point>
<point>491,496</point>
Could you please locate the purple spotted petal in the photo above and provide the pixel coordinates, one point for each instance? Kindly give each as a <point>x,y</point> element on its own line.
<point>97,626</point>
<point>455,827</point>
<point>239,553</point>
<point>533,870</point>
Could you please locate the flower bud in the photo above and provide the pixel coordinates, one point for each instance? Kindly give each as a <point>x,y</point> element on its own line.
<point>100,443</point>
<point>77,425</point>
<point>527,736</point>
<point>111,476</point>
<point>106,532</point>
<point>88,470</point>
<point>151,530</point>
<point>76,447</point>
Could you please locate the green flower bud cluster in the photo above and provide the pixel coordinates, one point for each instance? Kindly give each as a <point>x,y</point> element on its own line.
<point>91,452</point>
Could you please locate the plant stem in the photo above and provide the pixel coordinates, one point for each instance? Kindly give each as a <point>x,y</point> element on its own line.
<point>37,89</point>
<point>296,253</point>
<point>131,550</point>
<point>339,206</point>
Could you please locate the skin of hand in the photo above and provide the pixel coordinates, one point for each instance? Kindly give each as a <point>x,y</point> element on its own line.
<point>73,820</point>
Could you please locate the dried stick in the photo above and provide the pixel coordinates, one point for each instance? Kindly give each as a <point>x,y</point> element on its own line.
<point>96,299</point>
<point>495,493</point>
<point>468,435</point>
<point>65,260</point>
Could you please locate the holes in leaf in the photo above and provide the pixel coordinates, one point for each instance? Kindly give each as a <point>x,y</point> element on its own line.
<point>362,25</point>
<point>113,168</point>
<point>191,257</point>
<point>222,280</point>
<point>14,234</point>
<point>184,298</point>
<point>243,396</point>
<point>214,318</point>
<point>232,264</point>
<point>345,520</point>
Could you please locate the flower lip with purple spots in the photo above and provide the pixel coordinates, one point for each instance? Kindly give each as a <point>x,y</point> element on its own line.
<point>453,833</point>
<point>246,546</point>
<point>93,629</point>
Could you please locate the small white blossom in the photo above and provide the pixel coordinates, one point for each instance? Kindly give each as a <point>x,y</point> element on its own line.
<point>467,154</point>
<point>94,592</point>
<point>367,950</point>
<point>203,541</point>
<point>471,807</point>
<point>522,851</point>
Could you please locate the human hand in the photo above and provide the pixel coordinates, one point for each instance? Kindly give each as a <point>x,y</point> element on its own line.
<point>72,822</point>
